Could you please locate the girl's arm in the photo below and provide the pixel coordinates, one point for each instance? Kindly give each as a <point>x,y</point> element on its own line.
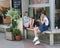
<point>42,20</point>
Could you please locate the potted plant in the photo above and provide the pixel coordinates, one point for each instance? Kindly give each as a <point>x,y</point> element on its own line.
<point>13,13</point>
<point>14,23</point>
<point>17,34</point>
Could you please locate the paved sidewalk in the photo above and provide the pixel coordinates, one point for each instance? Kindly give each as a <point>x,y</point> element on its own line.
<point>22,44</point>
<point>30,44</point>
<point>10,44</point>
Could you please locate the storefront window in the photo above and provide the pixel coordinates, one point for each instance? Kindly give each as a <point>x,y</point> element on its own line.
<point>36,12</point>
<point>57,20</point>
<point>57,14</point>
<point>38,1</point>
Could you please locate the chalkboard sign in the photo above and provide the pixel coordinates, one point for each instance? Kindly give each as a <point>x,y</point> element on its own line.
<point>16,4</point>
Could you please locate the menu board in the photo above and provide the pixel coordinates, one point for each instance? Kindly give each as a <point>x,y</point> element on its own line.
<point>16,4</point>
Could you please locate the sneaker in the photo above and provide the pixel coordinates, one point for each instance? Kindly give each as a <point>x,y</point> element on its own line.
<point>36,38</point>
<point>37,42</point>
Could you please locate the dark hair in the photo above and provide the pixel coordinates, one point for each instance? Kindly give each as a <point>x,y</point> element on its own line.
<point>43,12</point>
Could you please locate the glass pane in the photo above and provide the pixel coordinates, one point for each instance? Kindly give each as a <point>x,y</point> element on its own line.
<point>57,20</point>
<point>36,12</point>
<point>38,1</point>
<point>30,12</point>
<point>57,14</point>
<point>57,4</point>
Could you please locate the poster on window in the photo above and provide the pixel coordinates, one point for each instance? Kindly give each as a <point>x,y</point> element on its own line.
<point>40,1</point>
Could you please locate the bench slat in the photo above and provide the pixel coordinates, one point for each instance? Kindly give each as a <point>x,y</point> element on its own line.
<point>48,31</point>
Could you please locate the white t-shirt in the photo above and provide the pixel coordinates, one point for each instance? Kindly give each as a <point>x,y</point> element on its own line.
<point>46,21</point>
<point>25,21</point>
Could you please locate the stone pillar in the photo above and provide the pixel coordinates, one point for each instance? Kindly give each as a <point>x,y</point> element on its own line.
<point>52,14</point>
<point>25,4</point>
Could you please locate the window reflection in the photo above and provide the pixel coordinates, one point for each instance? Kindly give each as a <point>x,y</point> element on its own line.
<point>38,1</point>
<point>35,12</point>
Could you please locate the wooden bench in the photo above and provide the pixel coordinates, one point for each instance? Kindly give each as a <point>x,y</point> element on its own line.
<point>51,34</point>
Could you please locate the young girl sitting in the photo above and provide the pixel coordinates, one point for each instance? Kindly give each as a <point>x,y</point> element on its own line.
<point>42,27</point>
<point>27,22</point>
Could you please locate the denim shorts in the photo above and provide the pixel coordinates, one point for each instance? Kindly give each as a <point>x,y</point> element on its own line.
<point>43,28</point>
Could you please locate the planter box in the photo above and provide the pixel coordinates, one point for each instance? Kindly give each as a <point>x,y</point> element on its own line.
<point>9,35</point>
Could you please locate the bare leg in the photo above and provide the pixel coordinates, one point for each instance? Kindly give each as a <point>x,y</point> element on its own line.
<point>36,31</point>
<point>36,39</point>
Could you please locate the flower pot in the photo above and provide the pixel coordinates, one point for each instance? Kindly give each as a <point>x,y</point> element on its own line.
<point>18,38</point>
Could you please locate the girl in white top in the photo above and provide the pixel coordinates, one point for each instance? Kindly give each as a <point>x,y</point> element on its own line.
<point>43,26</point>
